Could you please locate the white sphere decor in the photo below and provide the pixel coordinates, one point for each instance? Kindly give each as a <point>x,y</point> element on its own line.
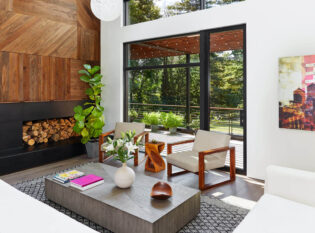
<point>124,176</point>
<point>106,10</point>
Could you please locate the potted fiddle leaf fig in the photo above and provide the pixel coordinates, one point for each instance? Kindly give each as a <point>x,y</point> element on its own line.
<point>89,117</point>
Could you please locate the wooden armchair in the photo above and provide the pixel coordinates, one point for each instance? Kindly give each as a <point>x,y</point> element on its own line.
<point>120,127</point>
<point>209,152</point>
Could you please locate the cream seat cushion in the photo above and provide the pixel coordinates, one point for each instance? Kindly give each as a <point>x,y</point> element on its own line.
<point>189,160</point>
<point>204,140</point>
<point>122,127</point>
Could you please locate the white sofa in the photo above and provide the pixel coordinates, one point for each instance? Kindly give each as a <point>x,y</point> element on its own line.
<point>22,213</point>
<point>288,205</point>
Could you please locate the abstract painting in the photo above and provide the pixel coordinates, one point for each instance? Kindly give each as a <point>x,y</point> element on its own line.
<point>297,93</point>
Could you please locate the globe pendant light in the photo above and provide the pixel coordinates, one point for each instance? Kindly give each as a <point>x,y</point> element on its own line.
<point>106,10</point>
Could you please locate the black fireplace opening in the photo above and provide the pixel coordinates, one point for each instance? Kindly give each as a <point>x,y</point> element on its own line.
<point>37,133</point>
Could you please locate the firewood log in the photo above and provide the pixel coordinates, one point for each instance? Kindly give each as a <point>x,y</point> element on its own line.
<point>31,142</point>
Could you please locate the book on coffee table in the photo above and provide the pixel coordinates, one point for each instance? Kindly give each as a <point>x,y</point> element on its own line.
<point>86,182</point>
<point>65,177</point>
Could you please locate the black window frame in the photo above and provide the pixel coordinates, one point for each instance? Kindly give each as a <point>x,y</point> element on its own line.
<point>204,79</point>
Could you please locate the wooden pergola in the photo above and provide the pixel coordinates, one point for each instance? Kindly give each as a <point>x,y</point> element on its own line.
<point>183,45</point>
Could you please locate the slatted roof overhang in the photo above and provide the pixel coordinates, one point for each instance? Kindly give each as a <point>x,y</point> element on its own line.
<point>175,46</point>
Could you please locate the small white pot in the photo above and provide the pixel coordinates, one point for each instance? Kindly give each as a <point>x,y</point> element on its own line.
<point>124,176</point>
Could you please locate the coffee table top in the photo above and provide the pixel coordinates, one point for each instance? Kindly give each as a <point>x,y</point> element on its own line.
<point>135,200</point>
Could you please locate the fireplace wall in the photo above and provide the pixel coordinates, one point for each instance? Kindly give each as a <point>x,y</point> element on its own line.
<point>14,155</point>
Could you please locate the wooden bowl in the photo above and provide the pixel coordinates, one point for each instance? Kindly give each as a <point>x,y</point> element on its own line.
<point>161,191</point>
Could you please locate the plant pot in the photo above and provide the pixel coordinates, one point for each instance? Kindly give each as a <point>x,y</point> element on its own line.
<point>173,130</point>
<point>154,128</point>
<point>124,176</point>
<point>92,148</point>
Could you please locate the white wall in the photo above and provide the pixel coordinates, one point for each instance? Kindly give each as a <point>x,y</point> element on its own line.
<point>274,29</point>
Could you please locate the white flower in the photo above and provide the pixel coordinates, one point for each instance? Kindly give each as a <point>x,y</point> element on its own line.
<point>107,147</point>
<point>131,147</point>
<point>120,142</point>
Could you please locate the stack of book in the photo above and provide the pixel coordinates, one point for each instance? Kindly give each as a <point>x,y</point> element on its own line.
<point>86,182</point>
<point>67,176</point>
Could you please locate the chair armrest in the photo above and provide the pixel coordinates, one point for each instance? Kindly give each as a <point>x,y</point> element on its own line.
<point>217,150</point>
<point>293,184</point>
<point>144,133</point>
<point>107,133</point>
<point>102,136</point>
<point>170,145</point>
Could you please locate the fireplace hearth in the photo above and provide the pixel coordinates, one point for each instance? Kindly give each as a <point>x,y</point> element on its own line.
<point>60,142</point>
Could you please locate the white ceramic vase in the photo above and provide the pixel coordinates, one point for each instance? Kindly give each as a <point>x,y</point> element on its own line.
<point>124,176</point>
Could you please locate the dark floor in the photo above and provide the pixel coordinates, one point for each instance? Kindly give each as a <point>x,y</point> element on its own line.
<point>243,192</point>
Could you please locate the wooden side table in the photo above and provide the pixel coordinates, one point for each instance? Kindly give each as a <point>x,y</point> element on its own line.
<point>155,162</point>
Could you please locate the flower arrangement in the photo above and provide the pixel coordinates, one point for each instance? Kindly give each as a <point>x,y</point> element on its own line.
<point>123,147</point>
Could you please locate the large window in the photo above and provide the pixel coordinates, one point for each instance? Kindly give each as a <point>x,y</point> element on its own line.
<point>138,11</point>
<point>162,76</point>
<point>199,76</point>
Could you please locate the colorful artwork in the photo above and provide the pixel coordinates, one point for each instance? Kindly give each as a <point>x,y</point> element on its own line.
<point>297,93</point>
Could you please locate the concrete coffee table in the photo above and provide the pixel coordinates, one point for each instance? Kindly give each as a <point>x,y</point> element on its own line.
<point>127,210</point>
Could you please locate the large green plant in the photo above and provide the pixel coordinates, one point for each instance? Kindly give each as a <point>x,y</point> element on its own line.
<point>171,120</point>
<point>89,117</point>
<point>152,118</point>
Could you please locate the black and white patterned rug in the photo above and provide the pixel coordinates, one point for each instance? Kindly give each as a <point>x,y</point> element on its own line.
<point>215,216</point>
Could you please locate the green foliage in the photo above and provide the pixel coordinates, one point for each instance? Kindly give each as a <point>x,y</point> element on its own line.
<point>183,6</point>
<point>123,147</point>
<point>152,118</point>
<point>171,120</point>
<point>89,119</point>
<point>132,114</point>
<point>142,11</point>
<point>195,124</point>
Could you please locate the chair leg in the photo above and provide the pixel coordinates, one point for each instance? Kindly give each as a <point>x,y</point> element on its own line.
<point>169,170</point>
<point>100,152</point>
<point>100,157</point>
<point>135,158</point>
<point>232,164</point>
<point>201,174</point>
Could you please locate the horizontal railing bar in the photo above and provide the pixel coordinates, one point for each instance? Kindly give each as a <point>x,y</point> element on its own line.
<point>163,66</point>
<point>183,106</point>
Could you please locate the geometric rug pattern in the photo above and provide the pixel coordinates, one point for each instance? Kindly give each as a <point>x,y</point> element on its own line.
<point>215,216</point>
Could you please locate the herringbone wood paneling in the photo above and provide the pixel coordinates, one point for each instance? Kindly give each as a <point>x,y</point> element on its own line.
<point>43,45</point>
<point>57,10</point>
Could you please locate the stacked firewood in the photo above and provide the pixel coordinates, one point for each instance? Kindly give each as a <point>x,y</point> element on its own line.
<point>48,130</point>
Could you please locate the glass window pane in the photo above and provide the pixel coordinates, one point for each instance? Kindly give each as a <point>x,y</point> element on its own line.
<point>226,82</point>
<point>156,90</point>
<point>146,10</point>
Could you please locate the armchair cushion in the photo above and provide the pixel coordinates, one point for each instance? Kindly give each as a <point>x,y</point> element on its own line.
<point>127,126</point>
<point>206,140</point>
<point>189,160</point>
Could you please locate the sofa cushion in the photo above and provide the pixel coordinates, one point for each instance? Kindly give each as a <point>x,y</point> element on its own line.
<point>189,160</point>
<point>22,213</point>
<point>273,214</point>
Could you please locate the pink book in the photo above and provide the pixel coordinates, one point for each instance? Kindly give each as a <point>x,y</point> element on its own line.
<point>86,180</point>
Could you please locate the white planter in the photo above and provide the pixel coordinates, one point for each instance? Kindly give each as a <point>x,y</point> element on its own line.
<point>124,176</point>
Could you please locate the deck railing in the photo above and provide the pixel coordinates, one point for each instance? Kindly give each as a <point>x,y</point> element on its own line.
<point>226,120</point>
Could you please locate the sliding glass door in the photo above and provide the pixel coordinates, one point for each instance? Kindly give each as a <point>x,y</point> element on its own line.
<point>201,76</point>
<point>227,87</point>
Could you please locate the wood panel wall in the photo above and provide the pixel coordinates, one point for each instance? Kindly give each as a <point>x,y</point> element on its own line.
<point>43,45</point>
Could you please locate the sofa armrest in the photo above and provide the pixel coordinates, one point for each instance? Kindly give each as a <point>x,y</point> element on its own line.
<point>293,184</point>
